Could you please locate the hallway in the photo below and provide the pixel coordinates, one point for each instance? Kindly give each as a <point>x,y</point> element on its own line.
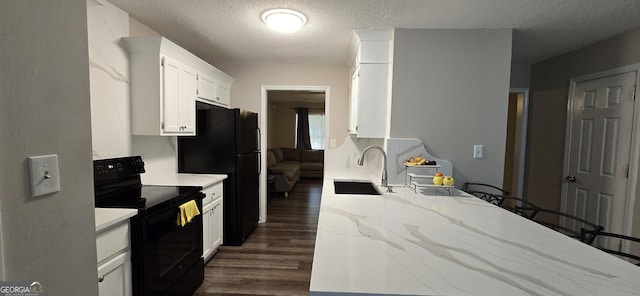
<point>276,258</point>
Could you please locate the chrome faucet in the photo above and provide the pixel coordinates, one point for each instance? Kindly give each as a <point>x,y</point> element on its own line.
<point>384,165</point>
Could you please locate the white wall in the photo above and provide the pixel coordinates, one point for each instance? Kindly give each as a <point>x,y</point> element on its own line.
<point>109,74</point>
<point>450,89</point>
<point>44,109</point>
<point>520,76</point>
<point>110,96</point>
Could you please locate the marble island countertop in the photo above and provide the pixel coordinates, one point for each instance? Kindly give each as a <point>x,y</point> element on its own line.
<point>407,243</point>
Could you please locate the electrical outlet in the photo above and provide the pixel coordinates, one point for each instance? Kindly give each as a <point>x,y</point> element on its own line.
<point>332,143</point>
<point>44,173</point>
<point>478,151</point>
<point>354,154</point>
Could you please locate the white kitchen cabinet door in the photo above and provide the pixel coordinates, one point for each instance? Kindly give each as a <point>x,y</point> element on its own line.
<point>212,219</point>
<point>114,276</point>
<point>207,250</point>
<point>206,88</point>
<point>353,104</point>
<point>223,95</point>
<point>368,103</point>
<point>178,96</point>
<point>216,224</point>
<point>212,91</point>
<point>114,260</point>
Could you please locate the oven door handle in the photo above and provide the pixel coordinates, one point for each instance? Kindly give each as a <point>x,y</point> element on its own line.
<point>174,209</point>
<point>171,213</point>
<point>161,216</point>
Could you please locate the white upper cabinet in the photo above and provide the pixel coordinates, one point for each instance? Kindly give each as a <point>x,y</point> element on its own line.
<point>213,91</point>
<point>370,94</point>
<point>223,93</point>
<point>178,98</point>
<point>165,84</point>
<point>370,101</point>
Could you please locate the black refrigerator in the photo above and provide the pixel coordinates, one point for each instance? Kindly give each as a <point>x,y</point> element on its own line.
<point>227,141</point>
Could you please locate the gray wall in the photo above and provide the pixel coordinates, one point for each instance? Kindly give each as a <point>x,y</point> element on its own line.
<point>548,110</point>
<point>450,89</point>
<point>520,76</point>
<point>44,109</point>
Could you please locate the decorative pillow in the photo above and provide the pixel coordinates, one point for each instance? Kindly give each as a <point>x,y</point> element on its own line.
<point>291,154</point>
<point>278,154</point>
<point>271,159</point>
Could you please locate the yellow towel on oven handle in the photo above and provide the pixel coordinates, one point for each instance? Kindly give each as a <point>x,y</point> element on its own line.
<point>188,210</point>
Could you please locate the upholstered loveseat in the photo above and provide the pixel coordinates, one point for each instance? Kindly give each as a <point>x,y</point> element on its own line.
<point>287,165</point>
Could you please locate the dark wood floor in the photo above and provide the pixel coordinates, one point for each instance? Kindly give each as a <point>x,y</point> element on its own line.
<point>276,258</point>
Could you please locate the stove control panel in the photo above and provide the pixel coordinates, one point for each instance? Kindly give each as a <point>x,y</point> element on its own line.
<point>114,168</point>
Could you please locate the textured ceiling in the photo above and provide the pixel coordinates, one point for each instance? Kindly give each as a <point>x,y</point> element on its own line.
<point>231,31</point>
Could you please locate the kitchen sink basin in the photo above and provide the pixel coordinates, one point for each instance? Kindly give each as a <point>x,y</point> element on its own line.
<point>355,187</point>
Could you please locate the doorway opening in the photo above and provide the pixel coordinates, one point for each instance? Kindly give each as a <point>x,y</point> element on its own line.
<point>516,142</point>
<point>278,122</point>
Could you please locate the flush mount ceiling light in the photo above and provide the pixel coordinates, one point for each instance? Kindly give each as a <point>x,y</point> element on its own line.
<point>284,20</point>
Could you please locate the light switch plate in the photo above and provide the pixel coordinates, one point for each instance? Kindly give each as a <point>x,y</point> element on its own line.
<point>332,143</point>
<point>45,178</point>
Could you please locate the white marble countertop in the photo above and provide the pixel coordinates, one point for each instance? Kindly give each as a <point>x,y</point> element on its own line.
<point>405,243</point>
<point>202,180</point>
<point>106,217</point>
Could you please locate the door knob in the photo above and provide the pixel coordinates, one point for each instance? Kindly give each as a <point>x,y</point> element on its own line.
<point>571,178</point>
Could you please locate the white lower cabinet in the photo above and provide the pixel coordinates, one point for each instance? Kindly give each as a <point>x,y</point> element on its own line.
<point>216,223</point>
<point>114,261</point>
<point>207,250</point>
<point>114,276</point>
<point>211,220</point>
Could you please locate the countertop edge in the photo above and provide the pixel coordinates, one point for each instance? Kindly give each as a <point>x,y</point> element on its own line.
<point>107,217</point>
<point>182,179</point>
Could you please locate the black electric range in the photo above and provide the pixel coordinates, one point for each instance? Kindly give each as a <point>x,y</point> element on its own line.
<point>166,258</point>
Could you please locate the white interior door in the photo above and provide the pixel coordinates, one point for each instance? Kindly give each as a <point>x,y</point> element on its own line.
<point>597,159</point>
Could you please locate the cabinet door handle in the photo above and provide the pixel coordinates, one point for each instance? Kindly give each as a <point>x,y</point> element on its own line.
<point>100,279</point>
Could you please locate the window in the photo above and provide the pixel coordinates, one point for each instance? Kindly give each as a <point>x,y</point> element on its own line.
<point>316,129</point>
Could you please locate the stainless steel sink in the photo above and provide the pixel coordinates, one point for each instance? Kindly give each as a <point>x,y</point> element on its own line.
<point>355,187</point>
